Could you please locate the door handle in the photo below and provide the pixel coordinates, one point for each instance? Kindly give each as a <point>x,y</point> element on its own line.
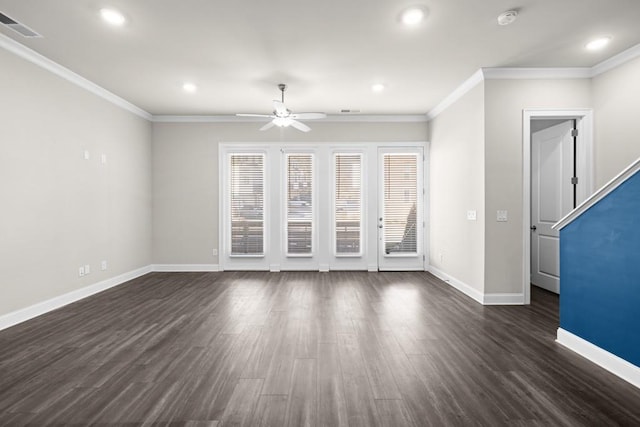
<point>534,228</point>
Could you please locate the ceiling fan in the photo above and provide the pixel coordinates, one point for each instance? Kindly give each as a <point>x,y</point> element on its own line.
<point>283,117</point>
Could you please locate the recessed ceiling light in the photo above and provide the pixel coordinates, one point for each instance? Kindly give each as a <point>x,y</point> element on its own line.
<point>378,87</point>
<point>507,17</point>
<point>413,16</point>
<point>113,17</point>
<point>598,44</point>
<point>189,87</point>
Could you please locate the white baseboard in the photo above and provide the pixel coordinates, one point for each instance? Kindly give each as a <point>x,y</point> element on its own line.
<point>323,268</point>
<point>458,284</point>
<point>609,361</point>
<point>482,298</point>
<point>182,268</point>
<point>372,268</point>
<point>274,268</point>
<point>503,299</point>
<point>22,315</point>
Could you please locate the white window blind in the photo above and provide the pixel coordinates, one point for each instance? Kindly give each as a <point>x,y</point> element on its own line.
<point>348,203</point>
<point>400,202</point>
<point>247,203</point>
<point>299,204</point>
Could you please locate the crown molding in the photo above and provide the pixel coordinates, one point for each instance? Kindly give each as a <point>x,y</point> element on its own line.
<point>458,93</point>
<point>366,118</point>
<point>532,73</point>
<point>57,69</point>
<point>477,77</point>
<point>616,61</point>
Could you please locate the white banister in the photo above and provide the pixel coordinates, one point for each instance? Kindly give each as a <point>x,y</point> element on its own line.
<point>599,195</point>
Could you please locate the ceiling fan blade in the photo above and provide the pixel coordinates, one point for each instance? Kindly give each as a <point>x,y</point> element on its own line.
<point>268,126</point>
<point>280,109</point>
<point>308,116</point>
<point>253,115</point>
<point>300,126</point>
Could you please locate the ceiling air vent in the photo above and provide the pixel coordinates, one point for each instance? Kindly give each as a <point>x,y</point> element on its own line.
<point>347,111</point>
<point>17,27</point>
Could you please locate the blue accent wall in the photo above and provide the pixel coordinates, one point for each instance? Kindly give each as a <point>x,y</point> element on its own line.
<point>600,273</point>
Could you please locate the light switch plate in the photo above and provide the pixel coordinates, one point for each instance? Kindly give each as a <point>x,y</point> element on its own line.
<point>501,216</point>
<point>472,215</point>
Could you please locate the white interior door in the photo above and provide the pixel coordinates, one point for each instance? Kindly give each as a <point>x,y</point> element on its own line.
<point>400,213</point>
<point>551,198</point>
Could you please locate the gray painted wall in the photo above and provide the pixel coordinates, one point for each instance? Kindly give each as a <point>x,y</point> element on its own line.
<point>185,178</point>
<point>60,211</point>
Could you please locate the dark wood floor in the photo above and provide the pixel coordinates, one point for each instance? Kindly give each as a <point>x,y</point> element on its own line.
<point>330,349</point>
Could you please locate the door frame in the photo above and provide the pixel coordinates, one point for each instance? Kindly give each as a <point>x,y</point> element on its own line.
<point>273,194</point>
<point>584,165</point>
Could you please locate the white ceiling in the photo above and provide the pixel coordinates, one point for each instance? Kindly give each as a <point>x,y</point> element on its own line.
<point>329,52</point>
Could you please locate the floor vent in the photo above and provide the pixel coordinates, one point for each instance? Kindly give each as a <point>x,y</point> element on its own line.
<point>18,27</point>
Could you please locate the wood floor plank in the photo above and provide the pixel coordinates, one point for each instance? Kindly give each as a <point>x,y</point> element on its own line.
<point>394,413</point>
<point>296,348</point>
<point>361,410</point>
<point>332,409</point>
<point>271,410</point>
<point>244,400</point>
<point>303,400</point>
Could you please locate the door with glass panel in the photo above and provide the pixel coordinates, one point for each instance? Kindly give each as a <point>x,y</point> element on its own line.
<point>400,209</point>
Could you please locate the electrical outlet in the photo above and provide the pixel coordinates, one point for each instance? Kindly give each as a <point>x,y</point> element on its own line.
<point>501,216</point>
<point>103,159</point>
<point>87,269</point>
<point>81,271</point>
<point>103,265</point>
<point>87,155</point>
<point>472,215</point>
<point>215,252</point>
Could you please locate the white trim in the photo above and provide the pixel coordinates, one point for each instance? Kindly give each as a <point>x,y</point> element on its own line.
<point>458,284</point>
<point>616,61</point>
<point>43,307</point>
<point>179,268</point>
<point>503,299</point>
<point>585,158</point>
<point>536,73</point>
<point>57,69</point>
<point>457,93</point>
<point>601,357</point>
<point>372,268</point>
<point>323,268</point>
<point>274,268</point>
<point>332,118</point>
<point>618,180</point>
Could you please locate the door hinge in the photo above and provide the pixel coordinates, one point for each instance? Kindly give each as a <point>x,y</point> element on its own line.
<point>423,224</point>
<point>424,258</point>
<point>574,180</point>
<point>574,132</point>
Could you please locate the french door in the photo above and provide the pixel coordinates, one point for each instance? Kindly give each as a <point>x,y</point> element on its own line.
<point>321,207</point>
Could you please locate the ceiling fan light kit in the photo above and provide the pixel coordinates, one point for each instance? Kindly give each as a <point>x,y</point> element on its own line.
<point>283,117</point>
